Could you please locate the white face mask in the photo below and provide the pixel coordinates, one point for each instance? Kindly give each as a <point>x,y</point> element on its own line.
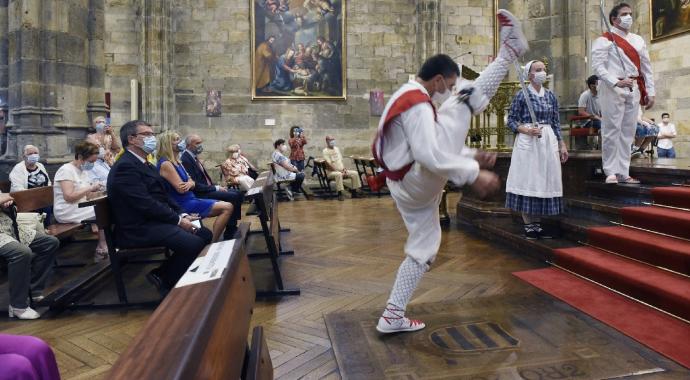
<point>284,148</point>
<point>626,22</point>
<point>235,155</point>
<point>540,77</point>
<point>441,97</point>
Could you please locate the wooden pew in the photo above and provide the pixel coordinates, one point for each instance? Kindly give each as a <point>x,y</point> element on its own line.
<point>5,186</point>
<point>41,197</point>
<point>259,364</point>
<point>267,210</point>
<point>199,331</point>
<point>281,185</point>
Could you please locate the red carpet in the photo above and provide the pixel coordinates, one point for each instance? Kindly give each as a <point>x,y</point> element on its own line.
<point>676,196</point>
<point>658,331</point>
<point>659,250</point>
<point>665,290</point>
<point>660,219</point>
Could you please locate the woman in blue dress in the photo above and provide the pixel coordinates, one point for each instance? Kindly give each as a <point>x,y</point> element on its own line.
<point>534,187</point>
<point>282,76</point>
<point>180,186</point>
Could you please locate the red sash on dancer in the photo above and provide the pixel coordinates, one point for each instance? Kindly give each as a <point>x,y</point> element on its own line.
<point>634,56</point>
<point>404,102</point>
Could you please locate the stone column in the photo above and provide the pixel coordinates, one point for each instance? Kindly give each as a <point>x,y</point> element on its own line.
<point>428,29</point>
<point>156,52</point>
<point>96,60</point>
<point>4,72</point>
<point>32,93</point>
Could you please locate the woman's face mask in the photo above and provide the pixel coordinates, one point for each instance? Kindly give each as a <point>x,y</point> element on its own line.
<point>181,146</point>
<point>100,127</point>
<point>235,155</point>
<point>540,77</point>
<point>101,152</point>
<point>32,158</point>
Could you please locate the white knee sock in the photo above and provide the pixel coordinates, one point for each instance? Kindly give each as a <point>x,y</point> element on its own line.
<point>409,274</point>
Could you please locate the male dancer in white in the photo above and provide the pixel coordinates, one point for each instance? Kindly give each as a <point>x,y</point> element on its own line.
<point>420,150</point>
<point>622,90</point>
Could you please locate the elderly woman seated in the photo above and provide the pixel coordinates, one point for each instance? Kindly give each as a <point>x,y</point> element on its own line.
<point>236,169</point>
<point>29,173</point>
<point>30,254</point>
<point>73,186</point>
<point>180,186</point>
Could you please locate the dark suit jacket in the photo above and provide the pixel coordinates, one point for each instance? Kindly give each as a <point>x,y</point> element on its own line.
<point>200,187</point>
<point>143,212</point>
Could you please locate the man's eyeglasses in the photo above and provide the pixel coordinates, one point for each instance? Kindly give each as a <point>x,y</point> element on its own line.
<point>145,134</point>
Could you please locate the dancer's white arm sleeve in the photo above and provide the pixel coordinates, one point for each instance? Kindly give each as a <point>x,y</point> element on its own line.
<point>432,149</point>
<point>600,60</point>
<point>646,68</point>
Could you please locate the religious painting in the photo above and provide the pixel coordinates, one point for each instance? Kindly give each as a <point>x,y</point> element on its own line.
<point>213,103</point>
<point>298,49</point>
<point>668,18</point>
<point>376,103</point>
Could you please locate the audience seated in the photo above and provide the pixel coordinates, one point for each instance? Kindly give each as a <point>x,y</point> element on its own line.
<point>105,138</point>
<point>236,169</point>
<point>26,358</point>
<point>30,254</point>
<point>645,133</point>
<point>101,168</point>
<point>284,169</point>
<point>588,104</point>
<point>180,186</point>
<point>72,186</point>
<point>144,214</point>
<point>297,142</point>
<point>29,173</point>
<point>205,188</point>
<point>337,171</point>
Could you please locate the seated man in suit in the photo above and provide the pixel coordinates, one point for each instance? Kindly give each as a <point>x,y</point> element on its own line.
<point>204,186</point>
<point>144,215</point>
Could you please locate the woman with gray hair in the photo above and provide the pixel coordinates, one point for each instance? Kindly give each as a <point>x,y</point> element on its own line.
<point>236,169</point>
<point>29,173</point>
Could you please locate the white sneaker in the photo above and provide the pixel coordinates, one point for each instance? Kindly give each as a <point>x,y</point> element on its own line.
<point>611,179</point>
<point>27,313</point>
<point>512,40</point>
<point>394,325</point>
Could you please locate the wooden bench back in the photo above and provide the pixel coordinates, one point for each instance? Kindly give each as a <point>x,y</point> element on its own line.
<point>33,199</point>
<point>259,365</point>
<point>5,186</point>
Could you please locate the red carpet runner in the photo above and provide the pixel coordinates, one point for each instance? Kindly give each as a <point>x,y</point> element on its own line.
<point>656,330</point>
<point>649,261</point>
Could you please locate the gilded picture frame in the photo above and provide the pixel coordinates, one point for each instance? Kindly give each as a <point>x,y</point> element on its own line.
<point>298,50</point>
<point>668,18</point>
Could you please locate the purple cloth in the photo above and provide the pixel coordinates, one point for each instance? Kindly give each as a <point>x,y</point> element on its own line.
<point>26,358</point>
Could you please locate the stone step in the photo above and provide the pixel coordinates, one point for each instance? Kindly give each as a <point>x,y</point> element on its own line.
<point>597,209</point>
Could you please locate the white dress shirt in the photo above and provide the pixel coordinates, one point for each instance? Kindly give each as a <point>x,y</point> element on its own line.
<point>607,65</point>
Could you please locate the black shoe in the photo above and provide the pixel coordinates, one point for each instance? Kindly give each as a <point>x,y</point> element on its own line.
<point>229,233</point>
<point>531,232</point>
<point>155,279</point>
<point>341,196</point>
<point>542,233</point>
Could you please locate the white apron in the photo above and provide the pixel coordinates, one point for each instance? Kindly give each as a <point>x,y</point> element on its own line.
<point>535,166</point>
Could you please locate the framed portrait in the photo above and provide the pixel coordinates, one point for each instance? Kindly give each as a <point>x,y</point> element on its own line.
<point>668,18</point>
<point>213,103</point>
<point>298,49</point>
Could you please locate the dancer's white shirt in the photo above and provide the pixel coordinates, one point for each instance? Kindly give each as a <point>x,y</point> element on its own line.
<point>607,65</point>
<point>437,145</point>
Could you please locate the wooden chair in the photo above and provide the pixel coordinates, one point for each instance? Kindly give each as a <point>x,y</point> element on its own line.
<point>259,365</point>
<point>39,198</point>
<point>281,185</point>
<point>579,131</point>
<point>325,190</point>
<point>120,256</point>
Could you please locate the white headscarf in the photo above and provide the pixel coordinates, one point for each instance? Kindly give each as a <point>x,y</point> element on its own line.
<point>528,67</point>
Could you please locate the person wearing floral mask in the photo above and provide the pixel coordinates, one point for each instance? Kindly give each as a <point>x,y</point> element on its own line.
<point>626,82</point>
<point>105,138</point>
<point>285,171</point>
<point>73,186</point>
<point>236,169</point>
<point>534,186</point>
<point>29,172</point>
